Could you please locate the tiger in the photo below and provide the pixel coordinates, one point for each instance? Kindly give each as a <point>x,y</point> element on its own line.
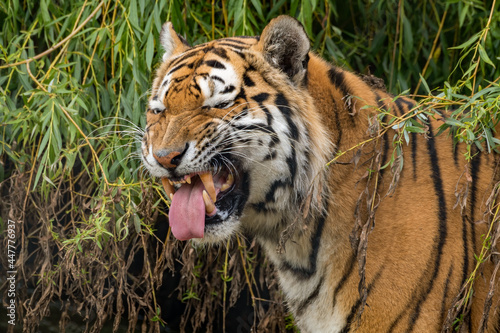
<point>240,131</point>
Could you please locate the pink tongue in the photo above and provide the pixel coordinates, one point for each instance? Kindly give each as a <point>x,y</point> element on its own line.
<point>187,212</point>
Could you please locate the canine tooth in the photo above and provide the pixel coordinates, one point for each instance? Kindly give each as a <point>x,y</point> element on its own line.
<point>188,179</point>
<point>208,181</point>
<point>168,186</point>
<point>228,183</point>
<point>209,205</point>
<point>171,183</point>
<point>230,179</point>
<point>171,197</point>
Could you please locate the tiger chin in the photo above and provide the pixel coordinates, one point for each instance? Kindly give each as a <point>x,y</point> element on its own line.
<point>239,131</point>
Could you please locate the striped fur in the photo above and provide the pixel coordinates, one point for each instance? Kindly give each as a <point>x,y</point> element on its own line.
<point>275,114</point>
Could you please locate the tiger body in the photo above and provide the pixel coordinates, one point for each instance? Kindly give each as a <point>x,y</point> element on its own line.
<point>261,118</point>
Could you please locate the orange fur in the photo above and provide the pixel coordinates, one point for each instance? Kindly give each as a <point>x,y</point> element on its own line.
<point>418,252</point>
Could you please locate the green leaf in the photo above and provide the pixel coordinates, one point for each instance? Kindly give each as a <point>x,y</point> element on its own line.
<point>467,43</point>
<point>258,7</point>
<point>484,56</point>
<point>424,83</point>
<point>453,122</point>
<point>137,223</point>
<point>150,49</point>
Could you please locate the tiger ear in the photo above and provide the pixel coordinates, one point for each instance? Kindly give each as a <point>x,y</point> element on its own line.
<point>171,42</point>
<point>285,45</point>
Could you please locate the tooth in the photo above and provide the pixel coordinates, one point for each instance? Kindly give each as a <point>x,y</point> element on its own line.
<point>230,179</point>
<point>228,183</point>
<point>171,183</point>
<point>167,185</point>
<point>208,181</point>
<point>171,197</point>
<point>188,179</point>
<point>209,205</point>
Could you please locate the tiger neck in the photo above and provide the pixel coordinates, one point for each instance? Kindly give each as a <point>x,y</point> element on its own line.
<point>297,260</point>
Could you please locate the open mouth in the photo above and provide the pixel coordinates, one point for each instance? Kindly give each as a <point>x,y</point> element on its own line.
<point>201,199</point>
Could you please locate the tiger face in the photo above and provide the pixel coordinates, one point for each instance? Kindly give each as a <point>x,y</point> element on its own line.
<point>226,136</point>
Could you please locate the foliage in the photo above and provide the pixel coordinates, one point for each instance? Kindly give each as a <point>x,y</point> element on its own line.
<point>74,81</point>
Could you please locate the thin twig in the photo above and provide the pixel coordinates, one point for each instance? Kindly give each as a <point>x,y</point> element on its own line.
<point>38,56</point>
<point>485,31</point>
<point>395,44</point>
<point>431,54</point>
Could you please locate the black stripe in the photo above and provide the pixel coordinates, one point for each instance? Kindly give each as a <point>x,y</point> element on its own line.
<point>409,105</point>
<point>179,79</point>
<point>234,45</point>
<point>465,267</point>
<point>307,272</point>
<point>262,97</point>
<point>242,94</point>
<point>283,105</point>
<point>355,307</point>
<point>385,152</point>
<point>273,188</point>
<point>217,78</point>
<point>260,207</point>
<point>474,172</point>
<point>242,114</point>
<point>271,155</point>
<point>247,80</point>
<point>380,103</point>
<point>336,118</point>
<point>440,238</point>
<point>183,40</point>
<point>445,291</point>
<point>237,41</point>
<point>240,54</point>
<point>304,304</point>
<point>245,192</point>
<point>337,78</point>
<point>269,117</point>
<point>263,128</point>
<point>421,292</point>
<point>455,150</point>
<point>399,107</point>
<point>220,52</point>
<point>347,273</point>
<point>214,63</point>
<point>403,105</point>
<point>195,85</point>
<point>228,89</point>
<point>291,161</point>
<point>453,133</point>
<point>185,56</point>
<point>413,140</point>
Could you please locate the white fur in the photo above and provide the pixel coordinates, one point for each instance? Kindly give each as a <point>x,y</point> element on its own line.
<point>167,41</point>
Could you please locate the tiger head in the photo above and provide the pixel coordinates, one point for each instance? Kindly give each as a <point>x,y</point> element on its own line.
<point>232,132</point>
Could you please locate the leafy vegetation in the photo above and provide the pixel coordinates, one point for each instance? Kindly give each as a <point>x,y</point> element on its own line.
<point>74,81</point>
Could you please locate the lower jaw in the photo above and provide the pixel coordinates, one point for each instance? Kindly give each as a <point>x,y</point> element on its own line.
<point>225,223</point>
<point>216,234</point>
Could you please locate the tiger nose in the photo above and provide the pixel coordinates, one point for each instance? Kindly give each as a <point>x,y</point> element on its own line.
<point>168,159</point>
